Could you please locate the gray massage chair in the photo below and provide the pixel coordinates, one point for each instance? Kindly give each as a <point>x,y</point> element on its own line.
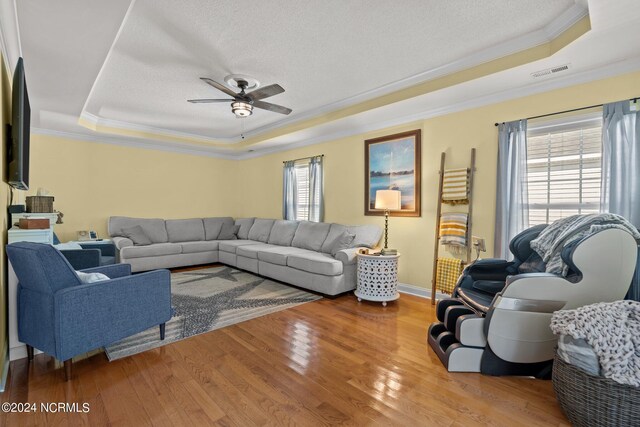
<point>497,320</point>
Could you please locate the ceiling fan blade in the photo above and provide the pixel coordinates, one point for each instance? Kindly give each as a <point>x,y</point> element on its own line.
<point>220,87</point>
<point>208,101</point>
<point>265,92</point>
<point>272,107</point>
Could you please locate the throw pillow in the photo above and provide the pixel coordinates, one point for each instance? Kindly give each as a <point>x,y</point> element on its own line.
<point>343,241</point>
<point>137,235</point>
<point>229,232</point>
<point>91,277</point>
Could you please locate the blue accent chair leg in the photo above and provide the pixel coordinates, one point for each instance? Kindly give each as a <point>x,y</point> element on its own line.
<point>67,369</point>
<point>29,353</point>
<point>162,326</point>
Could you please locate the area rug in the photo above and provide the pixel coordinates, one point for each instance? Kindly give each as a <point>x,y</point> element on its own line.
<point>208,299</point>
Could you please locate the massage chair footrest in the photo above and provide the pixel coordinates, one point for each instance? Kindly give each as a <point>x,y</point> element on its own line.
<point>453,355</point>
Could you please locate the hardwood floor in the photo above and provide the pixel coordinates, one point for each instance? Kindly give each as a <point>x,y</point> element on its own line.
<point>328,362</point>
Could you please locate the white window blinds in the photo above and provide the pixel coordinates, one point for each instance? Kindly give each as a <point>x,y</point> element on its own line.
<point>564,169</point>
<point>303,179</point>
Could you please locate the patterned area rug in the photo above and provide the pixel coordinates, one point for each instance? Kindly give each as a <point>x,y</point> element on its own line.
<point>209,299</point>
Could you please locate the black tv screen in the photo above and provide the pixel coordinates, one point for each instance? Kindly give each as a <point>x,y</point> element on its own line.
<point>18,153</point>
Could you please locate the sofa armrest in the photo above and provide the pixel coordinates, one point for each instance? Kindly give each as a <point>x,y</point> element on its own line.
<point>121,242</point>
<point>82,258</point>
<point>348,256</point>
<point>113,271</point>
<point>98,314</point>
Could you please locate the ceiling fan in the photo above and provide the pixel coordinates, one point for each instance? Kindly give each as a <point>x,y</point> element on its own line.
<point>242,104</point>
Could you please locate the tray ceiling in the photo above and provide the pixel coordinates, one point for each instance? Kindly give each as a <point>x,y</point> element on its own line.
<point>128,67</point>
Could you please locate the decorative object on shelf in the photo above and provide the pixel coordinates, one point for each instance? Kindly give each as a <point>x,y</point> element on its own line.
<point>447,273</point>
<point>393,162</point>
<point>455,186</point>
<point>84,235</point>
<point>453,229</point>
<point>13,209</point>
<point>34,223</point>
<point>389,200</point>
<point>377,278</point>
<point>60,216</point>
<point>40,204</point>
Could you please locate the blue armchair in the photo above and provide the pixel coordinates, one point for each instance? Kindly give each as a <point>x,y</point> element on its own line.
<point>63,317</point>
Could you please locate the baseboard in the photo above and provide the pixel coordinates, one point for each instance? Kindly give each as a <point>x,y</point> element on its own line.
<point>5,370</point>
<point>418,291</point>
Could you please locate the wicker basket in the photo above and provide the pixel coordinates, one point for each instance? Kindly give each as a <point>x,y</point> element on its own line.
<point>40,204</point>
<point>594,401</point>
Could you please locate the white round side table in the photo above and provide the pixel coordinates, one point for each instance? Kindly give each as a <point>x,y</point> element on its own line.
<point>377,278</point>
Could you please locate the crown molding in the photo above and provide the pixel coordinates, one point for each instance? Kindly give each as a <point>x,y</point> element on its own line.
<point>611,70</point>
<point>149,144</point>
<point>9,35</point>
<point>97,121</point>
<point>536,38</point>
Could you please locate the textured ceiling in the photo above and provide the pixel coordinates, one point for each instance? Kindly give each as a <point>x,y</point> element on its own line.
<point>133,65</point>
<point>320,52</point>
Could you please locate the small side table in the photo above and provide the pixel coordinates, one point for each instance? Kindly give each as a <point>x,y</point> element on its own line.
<point>377,278</point>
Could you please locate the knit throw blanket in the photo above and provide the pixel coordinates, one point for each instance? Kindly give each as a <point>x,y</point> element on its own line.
<point>552,239</point>
<point>612,329</point>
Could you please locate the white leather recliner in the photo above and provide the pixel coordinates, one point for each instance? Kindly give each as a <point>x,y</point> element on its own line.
<point>497,321</point>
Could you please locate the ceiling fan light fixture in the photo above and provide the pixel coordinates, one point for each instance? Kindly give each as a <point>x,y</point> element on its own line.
<point>241,109</point>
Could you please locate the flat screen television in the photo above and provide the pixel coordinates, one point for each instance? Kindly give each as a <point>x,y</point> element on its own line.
<point>18,152</point>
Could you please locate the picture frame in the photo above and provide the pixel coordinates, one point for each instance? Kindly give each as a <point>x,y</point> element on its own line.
<point>393,162</point>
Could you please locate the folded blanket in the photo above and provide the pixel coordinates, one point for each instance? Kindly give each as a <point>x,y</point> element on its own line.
<point>448,271</point>
<point>453,229</point>
<point>455,186</point>
<point>578,352</point>
<point>612,330</point>
<point>552,239</point>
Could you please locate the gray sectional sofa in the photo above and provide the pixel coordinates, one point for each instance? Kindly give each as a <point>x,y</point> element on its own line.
<point>317,256</point>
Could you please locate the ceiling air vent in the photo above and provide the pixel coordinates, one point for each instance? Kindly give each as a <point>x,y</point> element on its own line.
<point>550,71</point>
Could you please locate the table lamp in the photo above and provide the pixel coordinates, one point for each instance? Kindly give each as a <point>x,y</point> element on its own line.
<point>389,200</point>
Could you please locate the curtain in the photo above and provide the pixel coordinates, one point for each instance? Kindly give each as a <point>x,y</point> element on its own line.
<point>512,210</point>
<point>620,190</point>
<point>316,196</point>
<point>289,191</point>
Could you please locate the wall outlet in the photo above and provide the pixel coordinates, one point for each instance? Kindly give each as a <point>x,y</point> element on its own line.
<point>479,244</point>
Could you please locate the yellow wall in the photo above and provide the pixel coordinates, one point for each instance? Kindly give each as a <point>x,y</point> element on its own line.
<point>455,134</point>
<point>92,181</point>
<point>5,118</point>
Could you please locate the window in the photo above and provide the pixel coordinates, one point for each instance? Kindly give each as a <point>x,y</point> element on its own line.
<point>564,169</point>
<point>303,189</point>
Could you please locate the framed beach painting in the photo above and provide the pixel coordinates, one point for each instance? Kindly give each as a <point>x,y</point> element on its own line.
<point>393,163</point>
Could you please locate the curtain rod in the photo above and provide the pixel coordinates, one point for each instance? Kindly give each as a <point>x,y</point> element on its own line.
<point>568,111</point>
<point>303,158</point>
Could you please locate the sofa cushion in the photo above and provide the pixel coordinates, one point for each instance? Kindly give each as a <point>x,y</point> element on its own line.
<point>251,251</point>
<point>245,225</point>
<point>231,245</point>
<point>154,228</point>
<point>367,236</point>
<point>282,232</point>
<point>311,235</point>
<point>315,262</point>
<point>157,249</point>
<point>185,230</point>
<point>334,232</point>
<point>213,226</point>
<point>261,229</point>
<point>196,247</point>
<point>229,232</point>
<point>137,235</point>
<point>278,254</point>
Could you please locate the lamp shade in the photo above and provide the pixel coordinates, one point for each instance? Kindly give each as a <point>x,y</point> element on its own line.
<point>388,199</point>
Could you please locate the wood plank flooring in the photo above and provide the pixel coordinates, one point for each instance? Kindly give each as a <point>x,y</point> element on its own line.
<point>329,362</point>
